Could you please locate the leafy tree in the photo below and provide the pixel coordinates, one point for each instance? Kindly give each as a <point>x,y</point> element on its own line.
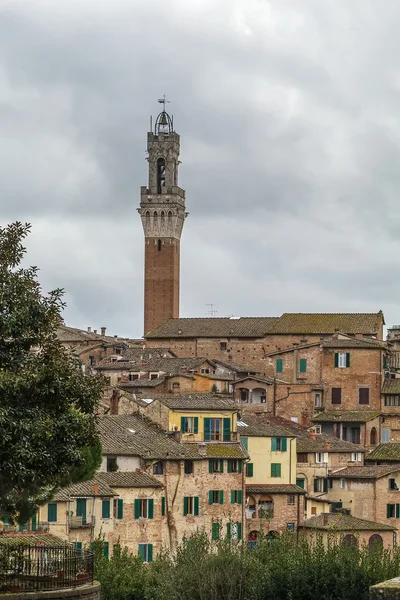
<point>48,432</point>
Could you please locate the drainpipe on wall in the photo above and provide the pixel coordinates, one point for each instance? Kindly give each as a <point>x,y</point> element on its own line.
<point>244,532</point>
<point>274,399</point>
<point>295,359</point>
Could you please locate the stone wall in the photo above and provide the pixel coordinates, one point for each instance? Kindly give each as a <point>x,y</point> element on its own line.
<point>84,592</point>
<point>387,590</point>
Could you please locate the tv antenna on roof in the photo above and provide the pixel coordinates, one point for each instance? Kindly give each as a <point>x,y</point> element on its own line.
<point>211,311</point>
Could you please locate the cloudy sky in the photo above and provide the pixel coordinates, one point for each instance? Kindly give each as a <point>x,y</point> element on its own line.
<point>289,116</point>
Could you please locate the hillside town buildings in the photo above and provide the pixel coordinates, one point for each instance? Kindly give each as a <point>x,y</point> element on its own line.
<point>242,427</point>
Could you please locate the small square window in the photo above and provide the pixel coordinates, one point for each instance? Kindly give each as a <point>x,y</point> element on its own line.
<point>189,467</point>
<point>158,468</point>
<point>290,499</point>
<point>223,345</point>
<point>112,465</point>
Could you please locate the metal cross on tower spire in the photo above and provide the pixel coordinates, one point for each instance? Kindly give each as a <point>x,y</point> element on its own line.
<point>164,101</point>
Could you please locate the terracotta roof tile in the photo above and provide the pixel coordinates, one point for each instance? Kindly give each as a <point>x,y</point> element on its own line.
<point>134,435</point>
<point>225,450</point>
<point>391,386</point>
<point>368,344</point>
<point>169,366</point>
<point>306,444</point>
<point>197,401</point>
<point>224,327</point>
<point>341,522</point>
<point>128,479</point>
<point>389,451</point>
<point>251,426</point>
<point>345,416</point>
<point>320,323</point>
<point>84,489</point>
<point>365,472</point>
<point>274,489</point>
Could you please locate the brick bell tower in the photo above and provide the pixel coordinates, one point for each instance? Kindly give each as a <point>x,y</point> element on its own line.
<point>162,210</point>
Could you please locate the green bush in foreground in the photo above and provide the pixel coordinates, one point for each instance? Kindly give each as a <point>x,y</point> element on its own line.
<point>284,569</point>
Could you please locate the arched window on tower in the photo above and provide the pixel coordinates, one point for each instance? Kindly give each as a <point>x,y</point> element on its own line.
<point>160,174</point>
<point>169,217</point>
<point>162,215</point>
<point>155,218</point>
<point>159,245</point>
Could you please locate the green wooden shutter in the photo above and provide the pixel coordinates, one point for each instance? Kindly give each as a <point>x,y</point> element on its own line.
<point>185,506</point>
<point>196,506</point>
<point>151,508</point>
<point>325,484</point>
<point>274,444</point>
<point>221,466</point>
<point>229,466</point>
<point>215,531</point>
<point>211,466</point>
<point>284,444</point>
<point>240,497</point>
<point>228,530</point>
<point>196,425</point>
<point>249,469</point>
<point>34,522</point>
<point>149,553</point>
<point>279,365</point>
<point>105,549</point>
<point>315,484</point>
<point>137,508</point>
<point>347,359</point>
<point>245,442</point>
<point>163,506</point>
<point>336,358</point>
<point>300,483</point>
<point>303,365</point>
<point>52,513</point>
<point>207,430</point>
<point>221,496</point>
<point>142,551</point>
<point>388,511</point>
<point>227,430</point>
<point>183,424</point>
<point>239,530</point>
<point>233,494</point>
<point>105,509</point>
<point>240,466</point>
<point>210,497</point>
<point>273,470</point>
<point>397,511</point>
<point>78,545</point>
<point>120,508</point>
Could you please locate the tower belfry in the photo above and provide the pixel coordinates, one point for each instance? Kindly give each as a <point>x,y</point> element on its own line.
<point>162,210</point>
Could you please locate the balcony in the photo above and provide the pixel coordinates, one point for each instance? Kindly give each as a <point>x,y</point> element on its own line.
<point>79,522</point>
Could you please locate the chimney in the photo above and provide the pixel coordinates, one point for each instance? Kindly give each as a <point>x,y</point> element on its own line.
<point>202,448</point>
<point>89,330</point>
<point>175,435</point>
<point>326,518</point>
<point>94,330</point>
<point>103,331</point>
<point>313,434</point>
<point>115,336</point>
<point>327,445</point>
<point>95,489</point>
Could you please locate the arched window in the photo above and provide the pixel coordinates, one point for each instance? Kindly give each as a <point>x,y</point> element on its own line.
<point>155,218</point>
<point>160,174</point>
<point>162,215</point>
<point>159,245</point>
<point>375,542</point>
<point>350,541</point>
<point>169,217</point>
<point>147,215</point>
<point>373,436</point>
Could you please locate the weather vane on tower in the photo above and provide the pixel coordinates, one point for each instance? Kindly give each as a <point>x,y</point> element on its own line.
<point>164,101</point>
<point>164,123</point>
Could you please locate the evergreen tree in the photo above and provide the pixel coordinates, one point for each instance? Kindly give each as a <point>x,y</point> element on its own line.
<point>48,432</point>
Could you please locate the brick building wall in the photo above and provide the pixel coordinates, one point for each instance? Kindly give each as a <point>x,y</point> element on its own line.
<point>365,371</point>
<point>161,281</point>
<point>283,514</point>
<point>359,495</point>
<point>292,361</point>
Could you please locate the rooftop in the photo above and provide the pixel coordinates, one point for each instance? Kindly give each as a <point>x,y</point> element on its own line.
<point>32,539</point>
<point>251,426</point>
<point>196,401</point>
<point>365,472</point>
<point>134,435</point>
<point>224,327</point>
<point>391,386</point>
<point>274,489</point>
<point>129,479</point>
<point>341,522</point>
<point>255,327</point>
<point>306,444</point>
<point>222,450</point>
<point>389,451</point>
<point>169,366</point>
<point>345,416</point>
<point>94,487</point>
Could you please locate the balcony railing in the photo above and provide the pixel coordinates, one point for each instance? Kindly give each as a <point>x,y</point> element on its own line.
<point>37,568</point>
<point>84,521</point>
